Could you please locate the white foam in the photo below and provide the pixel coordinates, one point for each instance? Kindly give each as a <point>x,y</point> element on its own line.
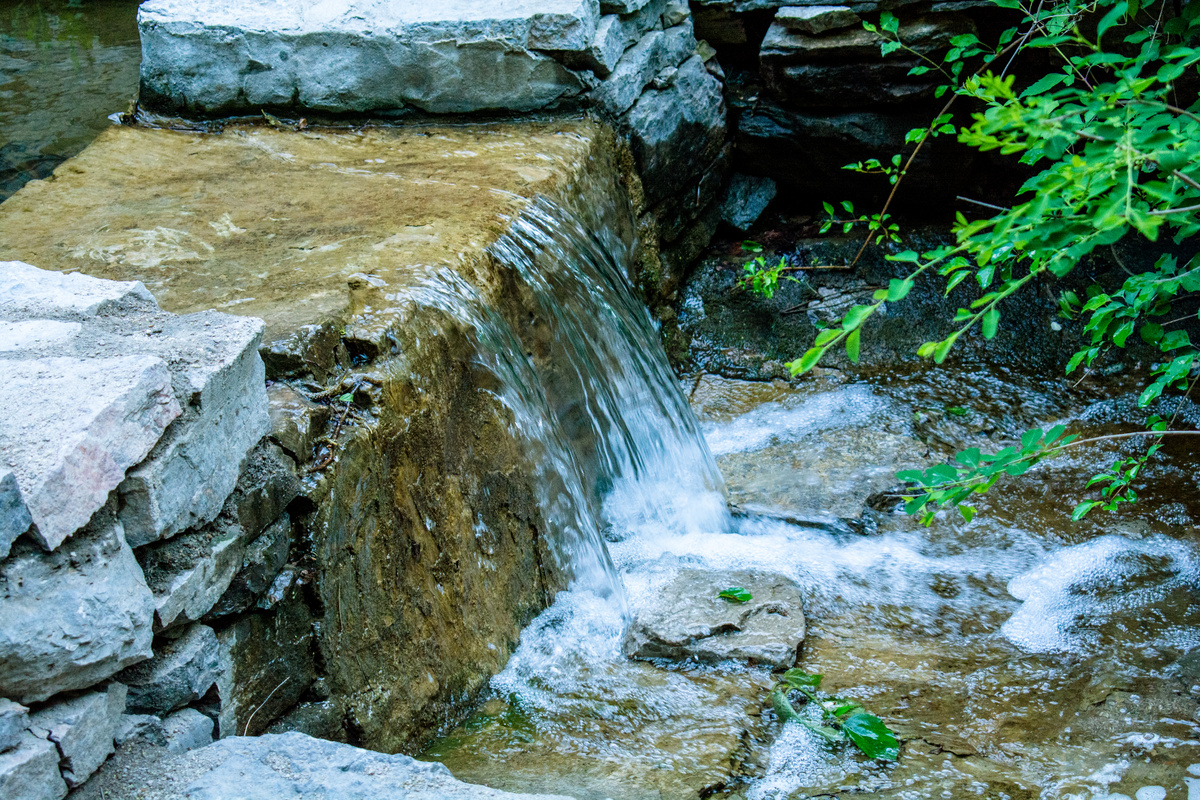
<point>773,423</point>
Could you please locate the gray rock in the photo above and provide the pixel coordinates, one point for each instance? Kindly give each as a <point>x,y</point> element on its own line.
<point>14,718</point>
<point>72,618</point>
<point>683,125</point>
<point>294,765</point>
<point>617,33</point>
<point>637,68</point>
<point>83,729</point>
<point>621,6</point>
<point>267,664</point>
<point>34,334</point>
<point>816,19</point>
<point>194,467</point>
<point>182,670</point>
<point>267,483</point>
<point>14,515</point>
<point>323,719</point>
<point>30,771</point>
<point>67,455</point>
<point>689,621</point>
<point>187,730</point>
<point>146,727</point>
<point>295,420</point>
<point>58,295</point>
<point>360,55</point>
<point>676,12</point>
<point>745,200</point>
<point>189,573</point>
<point>264,559</point>
<point>924,34</point>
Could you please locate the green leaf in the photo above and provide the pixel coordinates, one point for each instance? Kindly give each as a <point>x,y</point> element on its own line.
<point>1044,84</point>
<point>968,512</point>
<point>871,736</point>
<point>1083,508</point>
<point>736,593</point>
<point>898,289</point>
<point>751,246</point>
<point>807,361</point>
<point>852,344</point>
<point>849,708</point>
<point>348,397</point>
<point>856,316</point>
<point>957,411</point>
<point>798,678</point>
<point>831,735</point>
<point>991,320</point>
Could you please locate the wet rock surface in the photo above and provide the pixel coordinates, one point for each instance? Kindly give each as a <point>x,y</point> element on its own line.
<point>690,621</point>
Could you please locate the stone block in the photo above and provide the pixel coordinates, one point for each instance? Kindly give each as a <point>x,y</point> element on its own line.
<point>746,199</point>
<point>14,718</point>
<point>816,19</point>
<point>682,125</point>
<point>73,618</point>
<point>30,771</point>
<point>267,664</point>
<point>294,765</point>
<point>63,295</point>
<point>67,455</point>
<point>187,477</point>
<point>146,727</point>
<point>83,728</point>
<point>187,730</point>
<point>676,11</point>
<point>264,559</point>
<point>182,670</point>
<point>923,34</point>
<point>452,56</point>
<point>267,483</point>
<point>621,6</point>
<point>640,64</point>
<point>295,420</point>
<point>688,620</point>
<point>617,33</point>
<point>14,515</point>
<point>36,334</point>
<point>189,573</point>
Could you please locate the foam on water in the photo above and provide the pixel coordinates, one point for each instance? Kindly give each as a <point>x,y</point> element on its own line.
<point>774,423</point>
<point>1077,588</point>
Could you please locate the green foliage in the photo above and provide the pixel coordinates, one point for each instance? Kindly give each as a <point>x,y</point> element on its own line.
<point>1117,158</point>
<point>348,397</point>
<point>841,719</point>
<point>736,594</point>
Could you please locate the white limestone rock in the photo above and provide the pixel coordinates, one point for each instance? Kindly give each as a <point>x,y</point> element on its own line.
<point>188,730</point>
<point>188,475</point>
<point>189,573</point>
<point>146,727</point>
<point>31,334</point>
<point>30,771</point>
<point>690,621</point>
<point>14,718</point>
<point>816,19</point>
<point>73,618</point>
<point>295,765</point>
<point>181,672</point>
<point>83,729</point>
<point>67,455</point>
<point>616,33</point>
<point>641,63</point>
<point>71,296</point>
<point>676,11</point>
<point>14,515</point>
<point>444,56</point>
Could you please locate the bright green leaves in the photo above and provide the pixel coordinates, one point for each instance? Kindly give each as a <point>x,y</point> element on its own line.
<point>852,345</point>
<point>974,472</point>
<point>840,719</point>
<point>871,736</point>
<point>348,397</point>
<point>736,594</point>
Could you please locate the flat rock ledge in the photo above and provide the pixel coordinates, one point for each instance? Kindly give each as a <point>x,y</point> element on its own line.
<point>690,621</point>
<point>275,766</point>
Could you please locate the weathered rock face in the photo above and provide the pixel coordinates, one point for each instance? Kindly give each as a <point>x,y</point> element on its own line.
<point>30,771</point>
<point>74,617</point>
<point>82,729</point>
<point>181,672</point>
<point>690,620</point>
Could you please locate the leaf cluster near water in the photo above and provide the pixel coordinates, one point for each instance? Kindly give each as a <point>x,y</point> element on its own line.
<point>736,594</point>
<point>842,719</point>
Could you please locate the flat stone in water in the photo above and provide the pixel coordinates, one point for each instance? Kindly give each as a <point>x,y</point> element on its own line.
<point>689,620</point>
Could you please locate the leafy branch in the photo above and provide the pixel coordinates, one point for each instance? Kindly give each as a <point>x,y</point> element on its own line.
<point>841,719</point>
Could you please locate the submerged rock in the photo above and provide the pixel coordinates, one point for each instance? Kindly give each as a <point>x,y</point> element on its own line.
<point>691,621</point>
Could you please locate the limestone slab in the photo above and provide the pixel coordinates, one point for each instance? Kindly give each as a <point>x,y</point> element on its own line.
<point>67,455</point>
<point>14,515</point>
<point>361,55</point>
<point>616,33</point>
<point>83,729</point>
<point>816,19</point>
<point>14,718</point>
<point>182,670</point>
<point>74,617</point>
<point>30,771</point>
<point>187,730</point>
<point>640,64</point>
<point>190,572</point>
<point>294,765</point>
<point>31,334</point>
<point>264,559</point>
<point>66,295</point>
<point>690,620</point>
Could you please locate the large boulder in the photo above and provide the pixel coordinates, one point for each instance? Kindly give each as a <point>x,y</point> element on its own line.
<point>690,621</point>
<point>74,617</point>
<point>30,771</point>
<point>83,729</point>
<point>362,55</point>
